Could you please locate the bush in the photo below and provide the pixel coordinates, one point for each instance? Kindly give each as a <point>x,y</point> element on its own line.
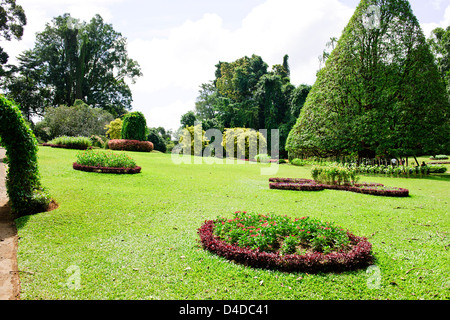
<point>263,158</point>
<point>78,120</point>
<point>158,142</point>
<point>26,194</point>
<point>134,127</point>
<point>246,142</point>
<point>188,140</point>
<point>439,157</point>
<point>77,143</point>
<point>130,145</point>
<point>114,129</point>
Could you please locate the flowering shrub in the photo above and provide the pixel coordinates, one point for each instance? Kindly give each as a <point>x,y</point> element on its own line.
<point>311,185</point>
<point>105,162</point>
<point>276,242</point>
<point>130,145</point>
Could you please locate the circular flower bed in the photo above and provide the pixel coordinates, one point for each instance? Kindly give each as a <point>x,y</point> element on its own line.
<point>310,185</point>
<point>97,169</point>
<point>280,243</point>
<point>105,162</point>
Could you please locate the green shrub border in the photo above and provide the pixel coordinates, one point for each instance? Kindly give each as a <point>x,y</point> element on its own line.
<point>25,192</point>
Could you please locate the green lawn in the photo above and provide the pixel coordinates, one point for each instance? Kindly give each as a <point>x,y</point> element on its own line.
<point>135,236</point>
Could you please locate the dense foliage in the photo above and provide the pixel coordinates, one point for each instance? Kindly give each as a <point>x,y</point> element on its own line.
<point>114,129</point>
<point>379,94</point>
<point>134,127</point>
<point>193,140</point>
<point>245,94</point>
<point>74,60</point>
<point>440,43</point>
<point>12,22</point>
<point>26,194</point>
<point>130,145</point>
<point>77,120</point>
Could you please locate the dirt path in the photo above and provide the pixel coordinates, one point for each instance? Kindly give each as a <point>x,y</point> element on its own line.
<point>9,274</point>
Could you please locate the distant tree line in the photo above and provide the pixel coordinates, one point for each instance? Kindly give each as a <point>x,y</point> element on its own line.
<point>246,94</point>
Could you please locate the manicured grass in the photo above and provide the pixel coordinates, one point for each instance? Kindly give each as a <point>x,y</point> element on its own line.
<point>135,236</point>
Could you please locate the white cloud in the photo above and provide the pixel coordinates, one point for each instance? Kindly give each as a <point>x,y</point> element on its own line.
<point>444,23</point>
<point>187,57</point>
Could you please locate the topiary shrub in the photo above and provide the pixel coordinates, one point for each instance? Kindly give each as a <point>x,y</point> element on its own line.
<point>26,194</point>
<point>130,145</point>
<point>134,127</point>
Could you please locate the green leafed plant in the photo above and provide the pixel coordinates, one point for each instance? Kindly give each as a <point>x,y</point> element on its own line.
<point>104,159</point>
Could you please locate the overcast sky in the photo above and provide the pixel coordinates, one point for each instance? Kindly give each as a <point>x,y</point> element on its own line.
<point>179,42</point>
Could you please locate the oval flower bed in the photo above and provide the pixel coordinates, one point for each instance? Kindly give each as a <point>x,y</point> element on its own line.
<point>105,162</point>
<point>280,243</point>
<point>311,185</point>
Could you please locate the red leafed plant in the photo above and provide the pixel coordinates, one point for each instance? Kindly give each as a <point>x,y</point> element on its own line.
<point>280,243</point>
<point>131,145</point>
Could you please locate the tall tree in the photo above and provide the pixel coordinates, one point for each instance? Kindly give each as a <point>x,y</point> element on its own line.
<point>12,21</point>
<point>440,43</point>
<point>86,61</point>
<point>379,93</point>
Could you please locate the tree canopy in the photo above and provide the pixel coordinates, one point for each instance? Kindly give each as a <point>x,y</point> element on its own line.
<point>246,94</point>
<point>380,92</point>
<point>75,60</point>
<point>12,22</point>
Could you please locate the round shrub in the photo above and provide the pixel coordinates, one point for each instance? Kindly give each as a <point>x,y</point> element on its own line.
<point>278,242</point>
<point>65,142</point>
<point>130,145</point>
<point>134,127</point>
<point>26,194</point>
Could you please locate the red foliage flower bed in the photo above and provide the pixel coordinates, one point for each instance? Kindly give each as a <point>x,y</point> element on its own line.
<point>61,146</point>
<point>131,145</point>
<point>79,167</point>
<point>358,257</point>
<point>375,189</point>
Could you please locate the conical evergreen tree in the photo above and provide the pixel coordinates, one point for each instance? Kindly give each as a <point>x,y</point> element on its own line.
<point>379,94</point>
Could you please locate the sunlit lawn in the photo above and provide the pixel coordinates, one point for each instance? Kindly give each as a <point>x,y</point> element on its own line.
<point>135,236</point>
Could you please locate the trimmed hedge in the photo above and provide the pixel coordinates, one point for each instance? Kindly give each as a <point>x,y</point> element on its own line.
<point>358,257</point>
<point>375,189</point>
<point>25,192</point>
<point>79,167</point>
<point>130,145</point>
